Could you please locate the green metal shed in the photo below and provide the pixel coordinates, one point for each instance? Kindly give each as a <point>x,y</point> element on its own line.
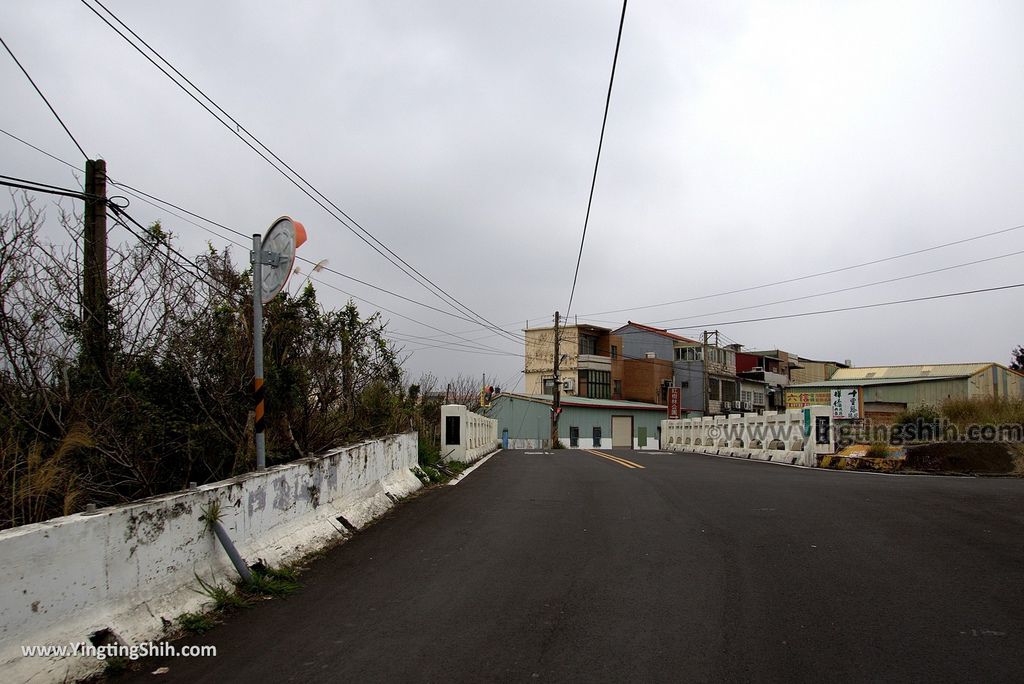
<point>524,422</point>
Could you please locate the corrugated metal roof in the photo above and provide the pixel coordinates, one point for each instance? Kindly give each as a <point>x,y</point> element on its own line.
<point>586,402</point>
<point>871,382</point>
<point>923,371</point>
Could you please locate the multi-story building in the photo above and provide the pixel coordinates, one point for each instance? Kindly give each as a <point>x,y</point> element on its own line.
<point>590,361</point>
<point>776,370</point>
<point>650,368</point>
<point>710,383</point>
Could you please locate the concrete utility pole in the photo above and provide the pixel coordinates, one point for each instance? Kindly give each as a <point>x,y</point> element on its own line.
<point>556,401</point>
<point>704,366</point>
<point>94,268</point>
<point>705,336</point>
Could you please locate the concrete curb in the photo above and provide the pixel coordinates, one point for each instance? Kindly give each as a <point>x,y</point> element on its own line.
<point>131,569</point>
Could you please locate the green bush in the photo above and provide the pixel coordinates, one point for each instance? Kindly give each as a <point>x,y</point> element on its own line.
<point>429,453</point>
<point>878,450</point>
<point>923,423</point>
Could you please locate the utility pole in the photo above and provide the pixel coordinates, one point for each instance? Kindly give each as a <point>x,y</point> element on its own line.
<point>259,390</point>
<point>556,402</point>
<point>704,365</point>
<point>94,268</point>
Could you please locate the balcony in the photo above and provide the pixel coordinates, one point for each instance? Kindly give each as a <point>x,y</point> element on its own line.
<point>594,362</point>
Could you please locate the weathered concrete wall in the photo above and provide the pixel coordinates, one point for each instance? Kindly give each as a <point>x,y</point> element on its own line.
<point>132,568</point>
<point>477,435</point>
<point>780,437</point>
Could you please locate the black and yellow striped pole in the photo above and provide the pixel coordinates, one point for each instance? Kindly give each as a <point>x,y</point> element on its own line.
<point>259,390</point>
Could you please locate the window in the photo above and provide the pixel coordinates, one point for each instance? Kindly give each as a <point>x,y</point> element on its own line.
<point>729,391</point>
<point>615,352</point>
<point>688,353</point>
<point>714,392</point>
<point>596,384</point>
<point>549,386</point>
<point>588,344</point>
<point>618,389</point>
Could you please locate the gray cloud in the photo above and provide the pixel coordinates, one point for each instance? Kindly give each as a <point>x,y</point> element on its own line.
<point>746,143</point>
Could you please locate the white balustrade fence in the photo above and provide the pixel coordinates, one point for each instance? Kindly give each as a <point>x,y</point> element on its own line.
<point>466,436</point>
<point>795,436</point>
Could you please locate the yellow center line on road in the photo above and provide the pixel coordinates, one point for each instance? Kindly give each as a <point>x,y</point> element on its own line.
<point>614,459</point>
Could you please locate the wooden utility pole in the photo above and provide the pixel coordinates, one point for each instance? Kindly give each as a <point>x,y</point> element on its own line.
<point>556,401</point>
<point>94,268</point>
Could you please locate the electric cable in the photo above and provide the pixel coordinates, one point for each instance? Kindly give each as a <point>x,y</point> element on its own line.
<point>351,225</point>
<point>597,161</point>
<point>52,110</point>
<point>864,306</point>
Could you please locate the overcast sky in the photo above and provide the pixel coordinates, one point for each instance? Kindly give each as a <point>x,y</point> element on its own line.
<point>746,143</point>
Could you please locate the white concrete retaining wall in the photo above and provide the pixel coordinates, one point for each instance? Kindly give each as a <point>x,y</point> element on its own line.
<point>477,435</point>
<point>131,568</point>
<point>777,437</point>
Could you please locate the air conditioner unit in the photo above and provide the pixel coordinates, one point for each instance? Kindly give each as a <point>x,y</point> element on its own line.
<point>758,369</point>
<point>747,406</point>
<point>737,404</point>
<point>569,385</point>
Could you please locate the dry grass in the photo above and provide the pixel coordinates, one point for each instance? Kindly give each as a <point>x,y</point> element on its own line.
<point>37,485</point>
<point>986,411</point>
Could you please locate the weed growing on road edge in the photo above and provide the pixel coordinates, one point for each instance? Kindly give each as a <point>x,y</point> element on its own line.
<point>197,623</point>
<point>116,665</point>
<point>270,581</point>
<point>223,598</point>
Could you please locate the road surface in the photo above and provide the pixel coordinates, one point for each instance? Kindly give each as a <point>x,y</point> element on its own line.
<point>573,566</point>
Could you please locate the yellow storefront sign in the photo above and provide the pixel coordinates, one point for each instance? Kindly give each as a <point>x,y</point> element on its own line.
<point>798,400</point>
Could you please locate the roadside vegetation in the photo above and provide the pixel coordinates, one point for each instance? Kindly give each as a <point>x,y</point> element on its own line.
<point>166,399</point>
<point>988,411</point>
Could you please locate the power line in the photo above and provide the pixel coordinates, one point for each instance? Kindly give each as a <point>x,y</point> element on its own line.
<point>142,196</point>
<point>850,288</point>
<point>352,225</point>
<point>22,184</point>
<point>38,149</point>
<point>52,110</point>
<point>120,213</point>
<point>857,308</point>
<point>816,275</point>
<point>395,313</point>
<point>151,199</point>
<point>597,161</point>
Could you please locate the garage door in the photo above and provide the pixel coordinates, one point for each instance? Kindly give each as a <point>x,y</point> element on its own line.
<point>622,432</point>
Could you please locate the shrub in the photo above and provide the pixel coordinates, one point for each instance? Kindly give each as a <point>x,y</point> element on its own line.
<point>920,424</point>
<point>878,450</point>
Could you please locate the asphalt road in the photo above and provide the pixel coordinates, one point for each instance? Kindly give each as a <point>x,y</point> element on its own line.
<point>569,566</point>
